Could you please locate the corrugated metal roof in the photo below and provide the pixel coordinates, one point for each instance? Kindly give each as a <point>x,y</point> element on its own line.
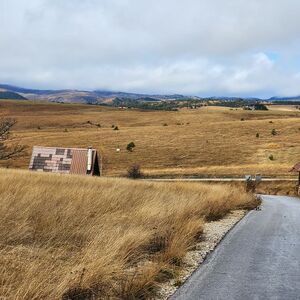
<point>296,168</point>
<point>79,162</point>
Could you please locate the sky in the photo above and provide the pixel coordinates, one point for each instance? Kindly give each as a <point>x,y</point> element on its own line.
<point>193,47</point>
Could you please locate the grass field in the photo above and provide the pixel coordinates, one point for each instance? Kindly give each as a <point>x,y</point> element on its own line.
<point>210,141</point>
<point>72,237</point>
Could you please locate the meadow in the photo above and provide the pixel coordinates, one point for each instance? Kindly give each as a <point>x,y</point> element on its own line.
<point>74,237</point>
<point>209,141</point>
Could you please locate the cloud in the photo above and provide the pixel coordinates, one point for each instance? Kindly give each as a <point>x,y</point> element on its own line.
<point>196,47</point>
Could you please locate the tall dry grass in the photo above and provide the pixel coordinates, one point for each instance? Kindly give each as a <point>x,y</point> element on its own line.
<point>71,237</point>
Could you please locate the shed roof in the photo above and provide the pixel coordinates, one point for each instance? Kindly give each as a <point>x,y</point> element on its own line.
<point>296,168</point>
<point>65,160</point>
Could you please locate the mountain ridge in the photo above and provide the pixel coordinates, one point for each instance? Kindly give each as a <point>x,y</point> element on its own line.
<point>99,96</point>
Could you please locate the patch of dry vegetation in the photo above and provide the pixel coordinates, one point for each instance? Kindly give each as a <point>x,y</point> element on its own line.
<point>289,188</point>
<point>276,187</point>
<point>71,237</point>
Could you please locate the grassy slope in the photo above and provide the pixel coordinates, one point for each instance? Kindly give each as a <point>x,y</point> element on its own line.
<point>62,235</point>
<point>208,141</point>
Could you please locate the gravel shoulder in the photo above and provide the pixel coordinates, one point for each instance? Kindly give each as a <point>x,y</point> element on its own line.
<point>213,233</point>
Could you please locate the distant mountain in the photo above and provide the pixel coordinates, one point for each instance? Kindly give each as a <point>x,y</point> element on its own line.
<point>88,97</point>
<point>11,95</point>
<point>28,91</point>
<point>232,98</point>
<point>136,96</point>
<point>294,98</point>
<point>107,97</point>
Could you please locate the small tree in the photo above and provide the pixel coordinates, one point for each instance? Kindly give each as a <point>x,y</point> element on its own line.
<point>8,152</point>
<point>274,132</point>
<point>116,128</point>
<point>134,172</point>
<point>130,146</point>
<point>271,157</point>
<point>257,135</point>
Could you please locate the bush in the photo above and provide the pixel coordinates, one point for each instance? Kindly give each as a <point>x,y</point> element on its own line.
<point>274,132</point>
<point>260,106</point>
<point>271,157</point>
<point>130,146</point>
<point>116,128</point>
<point>257,135</point>
<point>250,186</point>
<point>134,172</point>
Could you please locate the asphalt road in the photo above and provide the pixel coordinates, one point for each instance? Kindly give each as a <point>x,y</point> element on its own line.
<point>258,259</point>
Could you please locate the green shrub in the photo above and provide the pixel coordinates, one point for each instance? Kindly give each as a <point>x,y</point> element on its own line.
<point>130,146</point>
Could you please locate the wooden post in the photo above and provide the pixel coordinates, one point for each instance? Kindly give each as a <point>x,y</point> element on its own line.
<point>298,185</point>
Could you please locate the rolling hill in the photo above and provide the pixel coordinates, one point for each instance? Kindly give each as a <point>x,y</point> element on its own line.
<point>11,95</point>
<point>85,97</point>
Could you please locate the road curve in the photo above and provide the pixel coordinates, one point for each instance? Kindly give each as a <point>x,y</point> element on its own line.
<point>258,259</point>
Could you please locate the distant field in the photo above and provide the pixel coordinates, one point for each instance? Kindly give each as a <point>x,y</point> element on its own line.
<point>210,141</point>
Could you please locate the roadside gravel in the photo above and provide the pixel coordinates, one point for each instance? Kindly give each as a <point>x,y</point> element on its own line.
<point>213,233</point>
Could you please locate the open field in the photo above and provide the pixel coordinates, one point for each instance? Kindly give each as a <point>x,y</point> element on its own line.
<point>67,235</point>
<point>210,141</point>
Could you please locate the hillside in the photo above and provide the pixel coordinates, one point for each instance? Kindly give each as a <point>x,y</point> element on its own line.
<point>208,141</point>
<point>104,238</point>
<point>11,95</point>
<point>79,96</point>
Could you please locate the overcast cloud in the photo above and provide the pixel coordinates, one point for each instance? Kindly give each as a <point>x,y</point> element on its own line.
<point>201,47</point>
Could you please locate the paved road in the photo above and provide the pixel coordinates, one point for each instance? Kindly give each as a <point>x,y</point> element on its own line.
<point>258,259</point>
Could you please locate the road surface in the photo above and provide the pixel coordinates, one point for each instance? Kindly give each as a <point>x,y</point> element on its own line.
<point>258,259</point>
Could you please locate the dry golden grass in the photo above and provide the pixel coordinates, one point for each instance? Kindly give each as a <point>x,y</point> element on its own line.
<point>208,141</point>
<point>289,188</point>
<point>278,187</point>
<point>62,236</point>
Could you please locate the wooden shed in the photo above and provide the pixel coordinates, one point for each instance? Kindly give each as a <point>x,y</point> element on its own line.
<point>81,161</point>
